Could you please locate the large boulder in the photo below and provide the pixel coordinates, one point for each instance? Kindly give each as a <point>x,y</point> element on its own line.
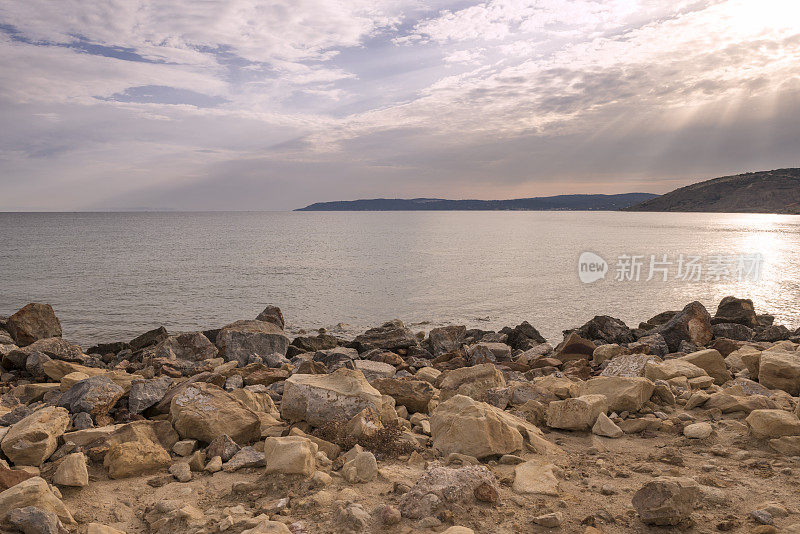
<point>54,347</point>
<point>95,395</point>
<point>33,492</point>
<point>32,322</point>
<point>766,424</point>
<point>471,381</point>
<point>242,340</point>
<point>712,362</point>
<point>272,314</point>
<point>391,336</point>
<point>148,339</point>
<point>739,311</point>
<point>692,324</point>
<point>671,369</point>
<point>290,455</point>
<point>409,392</point>
<point>204,411</point>
<point>466,426</point>
<point>735,331</point>
<point>524,337</point>
<point>606,330</point>
<point>624,394</point>
<point>628,365</point>
<point>446,338</point>
<point>339,396</point>
<point>666,501</point>
<point>780,370</point>
<point>32,440</point>
<point>579,413</point>
<point>146,393</point>
<point>191,346</point>
<point>574,347</point>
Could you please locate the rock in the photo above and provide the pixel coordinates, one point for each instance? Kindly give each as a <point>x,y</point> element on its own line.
<point>733,331</point>
<point>766,424</point>
<point>698,430</point>
<point>147,393</point>
<point>458,530</point>
<point>272,314</point>
<point>374,370</point>
<point>32,322</point>
<point>739,311</point>
<point>692,324</point>
<point>466,426</point>
<point>32,440</point>
<point>576,414</point>
<point>181,471</point>
<point>204,411</point>
<point>446,339</point>
<point>574,347</point>
<point>471,381</point>
<point>214,465</point>
<point>627,365</point>
<point>551,520</point>
<point>189,346</point>
<point>623,394</point>
<point>787,445</point>
<point>33,520</point>
<point>534,478</point>
<point>160,432</point>
<point>268,527</point>
<point>185,447</point>
<point>780,370</point>
<point>391,336</point>
<point>290,455</point>
<point>72,471</point>
<point>441,488</point>
<point>241,340</point>
<point>606,330</point>
<point>97,528</point>
<point>606,427</point>
<point>246,457</point>
<point>413,394</point>
<point>499,351</point>
<point>728,403</point>
<point>666,501</point>
<point>149,338</point>
<point>135,458</point>
<point>712,362</point>
<point>428,374</point>
<point>12,477</point>
<point>33,492</point>
<point>95,395</point>
<point>607,352</point>
<point>339,396</point>
<point>362,468</point>
<point>525,337</point>
<point>671,369</point>
<point>57,370</point>
<point>773,333</point>
<point>222,446</point>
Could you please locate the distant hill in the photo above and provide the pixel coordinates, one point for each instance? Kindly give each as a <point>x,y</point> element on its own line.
<point>560,202</point>
<point>775,191</point>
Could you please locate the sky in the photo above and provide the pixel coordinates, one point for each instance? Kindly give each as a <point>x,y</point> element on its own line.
<point>272,105</point>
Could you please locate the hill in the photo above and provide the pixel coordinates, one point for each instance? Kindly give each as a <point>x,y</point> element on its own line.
<point>560,202</point>
<point>775,191</point>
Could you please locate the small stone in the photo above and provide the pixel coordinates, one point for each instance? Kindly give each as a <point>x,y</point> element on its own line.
<point>485,492</point>
<point>698,430</point>
<point>184,447</point>
<point>214,465</point>
<point>181,471</point>
<point>390,515</point>
<point>606,427</point>
<point>72,471</point>
<point>553,520</point>
<point>762,517</point>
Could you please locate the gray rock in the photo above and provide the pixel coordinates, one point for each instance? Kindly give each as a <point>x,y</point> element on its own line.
<point>666,501</point>
<point>735,331</point>
<point>95,395</point>
<point>627,365</point>
<point>391,335</point>
<point>222,446</point>
<point>82,421</point>
<point>34,364</point>
<point>240,340</point>
<point>446,338</point>
<point>33,520</point>
<point>246,457</point>
<point>441,488</point>
<point>149,338</point>
<point>147,393</point>
<point>234,382</point>
<point>189,346</point>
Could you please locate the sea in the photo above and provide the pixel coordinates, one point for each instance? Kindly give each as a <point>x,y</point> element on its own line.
<point>112,276</point>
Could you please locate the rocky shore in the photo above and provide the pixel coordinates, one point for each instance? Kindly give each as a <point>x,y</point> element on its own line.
<point>687,422</point>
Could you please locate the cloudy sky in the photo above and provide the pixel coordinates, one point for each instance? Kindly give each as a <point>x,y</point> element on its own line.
<point>250,104</point>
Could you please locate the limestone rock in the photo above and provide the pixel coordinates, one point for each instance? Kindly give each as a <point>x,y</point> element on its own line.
<point>788,445</point>
<point>290,455</point>
<point>765,424</point>
<point>666,501</point>
<point>627,365</point>
<point>33,492</point>
<point>780,370</point>
<point>698,430</point>
<point>32,322</point>
<point>97,528</point>
<point>606,427</point>
<point>181,471</point>
<point>413,394</point>
<point>135,458</point>
<point>146,393</point>
<point>241,340</point>
<point>534,478</point>
<point>442,488</point>
<point>712,362</point>
<point>189,346</point>
<point>671,369</point>
<point>32,440</point>
<point>579,413</point>
<point>362,468</point>
<point>471,381</point>
<point>466,426</point>
<point>339,396</point>
<point>245,457</point>
<point>204,411</point>
<point>374,370</point>
<point>95,395</point>
<point>623,393</point>
<point>72,471</point>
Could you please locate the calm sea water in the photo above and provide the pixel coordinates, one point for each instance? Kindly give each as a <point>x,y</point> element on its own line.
<point>111,276</point>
